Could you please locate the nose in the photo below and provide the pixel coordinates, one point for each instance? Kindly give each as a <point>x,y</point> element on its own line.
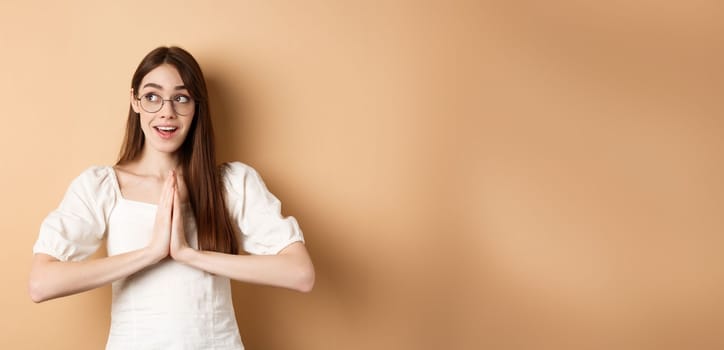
<point>167,110</point>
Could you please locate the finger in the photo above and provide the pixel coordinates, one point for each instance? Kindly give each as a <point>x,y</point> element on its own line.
<point>171,180</point>
<point>176,206</point>
<point>172,193</point>
<point>167,184</point>
<point>170,187</point>
<point>180,187</point>
<point>177,219</point>
<point>166,202</point>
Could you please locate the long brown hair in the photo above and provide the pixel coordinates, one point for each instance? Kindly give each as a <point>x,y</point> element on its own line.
<point>197,153</point>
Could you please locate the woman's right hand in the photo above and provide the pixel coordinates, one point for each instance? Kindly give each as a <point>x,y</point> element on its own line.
<point>161,240</point>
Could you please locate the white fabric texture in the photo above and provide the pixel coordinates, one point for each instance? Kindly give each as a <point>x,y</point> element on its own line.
<point>168,305</point>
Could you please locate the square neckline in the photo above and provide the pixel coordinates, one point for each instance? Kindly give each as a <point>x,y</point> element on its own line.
<point>117,188</point>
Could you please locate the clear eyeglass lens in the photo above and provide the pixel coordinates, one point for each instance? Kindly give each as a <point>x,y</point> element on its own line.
<point>183,108</point>
<point>151,105</point>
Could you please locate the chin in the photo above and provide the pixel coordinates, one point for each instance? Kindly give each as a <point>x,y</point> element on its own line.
<point>165,147</point>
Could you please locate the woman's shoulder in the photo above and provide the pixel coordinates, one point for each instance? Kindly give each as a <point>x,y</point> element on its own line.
<point>235,169</point>
<point>96,174</point>
<point>95,180</point>
<point>235,176</point>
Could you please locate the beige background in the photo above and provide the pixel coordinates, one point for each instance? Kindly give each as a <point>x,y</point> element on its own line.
<point>509,174</point>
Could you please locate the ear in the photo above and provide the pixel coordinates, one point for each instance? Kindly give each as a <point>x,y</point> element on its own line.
<point>134,102</point>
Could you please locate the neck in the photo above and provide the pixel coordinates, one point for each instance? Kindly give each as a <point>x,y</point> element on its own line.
<point>157,163</point>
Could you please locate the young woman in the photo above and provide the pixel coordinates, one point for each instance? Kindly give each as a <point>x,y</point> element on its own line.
<point>173,221</point>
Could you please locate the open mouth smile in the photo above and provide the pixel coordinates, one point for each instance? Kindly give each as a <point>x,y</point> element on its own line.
<point>165,132</point>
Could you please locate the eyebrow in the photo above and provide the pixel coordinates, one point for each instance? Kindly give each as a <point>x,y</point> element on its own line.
<point>154,85</point>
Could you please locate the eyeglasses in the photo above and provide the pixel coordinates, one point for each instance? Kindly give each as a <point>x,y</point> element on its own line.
<point>182,104</point>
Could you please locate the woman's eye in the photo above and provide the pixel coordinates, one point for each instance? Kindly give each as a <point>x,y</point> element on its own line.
<point>151,97</point>
<point>182,99</point>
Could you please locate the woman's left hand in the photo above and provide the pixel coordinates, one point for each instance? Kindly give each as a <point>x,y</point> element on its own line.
<point>179,244</point>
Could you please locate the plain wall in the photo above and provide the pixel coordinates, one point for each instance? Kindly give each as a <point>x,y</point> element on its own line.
<point>468,174</point>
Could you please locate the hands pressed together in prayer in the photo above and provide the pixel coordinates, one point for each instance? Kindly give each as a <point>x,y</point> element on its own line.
<point>169,236</point>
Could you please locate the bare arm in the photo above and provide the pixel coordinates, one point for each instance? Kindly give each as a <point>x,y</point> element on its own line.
<point>291,268</point>
<point>51,278</point>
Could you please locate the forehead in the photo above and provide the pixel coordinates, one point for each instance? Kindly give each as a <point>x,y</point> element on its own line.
<point>164,75</point>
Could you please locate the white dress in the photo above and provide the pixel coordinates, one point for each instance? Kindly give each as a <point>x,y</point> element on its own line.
<point>168,305</point>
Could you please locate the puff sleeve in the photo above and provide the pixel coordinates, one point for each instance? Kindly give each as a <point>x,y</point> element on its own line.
<point>75,230</point>
<point>257,212</point>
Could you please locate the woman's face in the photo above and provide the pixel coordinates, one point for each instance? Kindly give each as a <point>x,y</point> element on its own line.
<point>166,128</point>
